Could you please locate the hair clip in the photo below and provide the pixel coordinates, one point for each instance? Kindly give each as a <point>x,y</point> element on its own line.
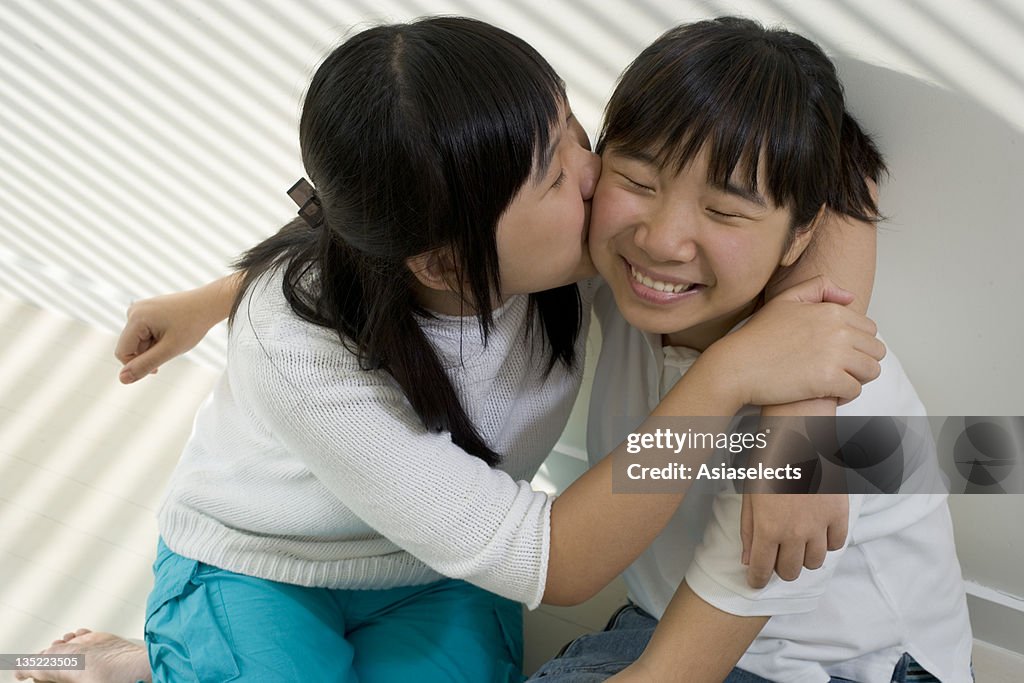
<point>305,196</point>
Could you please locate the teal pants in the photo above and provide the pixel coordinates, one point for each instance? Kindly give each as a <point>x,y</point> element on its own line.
<point>210,625</point>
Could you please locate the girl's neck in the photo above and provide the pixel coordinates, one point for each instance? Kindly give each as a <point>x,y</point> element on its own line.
<point>447,302</point>
<point>701,336</point>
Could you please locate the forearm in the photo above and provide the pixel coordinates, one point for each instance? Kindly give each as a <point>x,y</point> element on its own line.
<point>844,250</point>
<point>694,642</point>
<point>595,533</point>
<point>217,297</point>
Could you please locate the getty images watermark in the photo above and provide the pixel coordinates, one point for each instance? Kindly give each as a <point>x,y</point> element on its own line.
<point>822,455</point>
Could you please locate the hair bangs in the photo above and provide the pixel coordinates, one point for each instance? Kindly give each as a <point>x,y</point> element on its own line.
<point>497,102</point>
<point>733,95</point>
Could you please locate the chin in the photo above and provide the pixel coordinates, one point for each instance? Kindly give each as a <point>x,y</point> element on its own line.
<point>645,321</point>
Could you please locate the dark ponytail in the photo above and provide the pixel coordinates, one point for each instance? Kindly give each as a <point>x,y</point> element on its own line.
<point>417,137</point>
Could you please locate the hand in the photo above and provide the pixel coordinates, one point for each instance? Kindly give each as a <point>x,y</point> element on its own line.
<point>156,331</point>
<point>802,344</point>
<point>160,328</point>
<point>788,532</point>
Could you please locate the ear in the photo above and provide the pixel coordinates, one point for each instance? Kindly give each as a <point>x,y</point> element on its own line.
<point>800,241</point>
<point>435,269</point>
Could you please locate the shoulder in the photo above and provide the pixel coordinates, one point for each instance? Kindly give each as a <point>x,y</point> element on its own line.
<point>265,317</point>
<point>269,345</point>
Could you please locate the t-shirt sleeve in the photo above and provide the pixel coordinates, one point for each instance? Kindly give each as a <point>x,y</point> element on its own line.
<point>356,432</point>
<point>719,577</point>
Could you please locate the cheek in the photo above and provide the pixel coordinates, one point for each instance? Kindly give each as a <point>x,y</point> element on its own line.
<point>744,264</point>
<point>609,213</point>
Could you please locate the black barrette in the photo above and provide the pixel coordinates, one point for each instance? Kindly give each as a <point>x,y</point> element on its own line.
<point>305,196</point>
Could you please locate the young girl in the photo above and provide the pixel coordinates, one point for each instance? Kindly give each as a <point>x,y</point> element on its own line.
<point>401,360</point>
<point>724,146</point>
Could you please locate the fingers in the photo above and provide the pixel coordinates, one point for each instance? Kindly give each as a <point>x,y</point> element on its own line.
<point>135,338</point>
<point>837,531</point>
<point>861,364</point>
<point>859,322</point>
<point>147,363</point>
<point>139,348</point>
<point>790,560</point>
<point>815,551</point>
<point>762,562</point>
<point>746,529</point>
<point>862,368</point>
<point>871,346</point>
<point>816,290</point>
<point>844,388</point>
<point>811,526</point>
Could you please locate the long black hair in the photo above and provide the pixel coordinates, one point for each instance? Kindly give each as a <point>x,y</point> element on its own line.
<point>417,137</point>
<point>756,98</point>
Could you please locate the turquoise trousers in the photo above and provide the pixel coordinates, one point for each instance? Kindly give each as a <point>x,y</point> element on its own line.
<point>210,625</point>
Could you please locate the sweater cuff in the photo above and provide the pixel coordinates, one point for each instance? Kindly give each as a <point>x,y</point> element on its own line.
<point>545,555</point>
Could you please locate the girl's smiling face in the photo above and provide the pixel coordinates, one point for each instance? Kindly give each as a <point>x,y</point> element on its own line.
<point>685,258</point>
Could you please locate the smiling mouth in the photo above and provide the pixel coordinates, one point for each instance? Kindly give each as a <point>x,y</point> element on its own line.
<point>658,285</point>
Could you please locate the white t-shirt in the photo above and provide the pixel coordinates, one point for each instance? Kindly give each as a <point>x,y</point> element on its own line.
<point>896,587</point>
<point>304,468</point>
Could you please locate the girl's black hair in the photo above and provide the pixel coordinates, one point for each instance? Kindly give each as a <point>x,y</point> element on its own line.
<point>417,137</point>
<point>756,98</point>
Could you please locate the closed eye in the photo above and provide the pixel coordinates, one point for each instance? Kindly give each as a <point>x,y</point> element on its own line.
<point>639,186</point>
<point>724,214</point>
<point>559,180</point>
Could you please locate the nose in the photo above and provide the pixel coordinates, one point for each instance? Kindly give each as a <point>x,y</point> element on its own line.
<point>591,171</point>
<point>668,235</point>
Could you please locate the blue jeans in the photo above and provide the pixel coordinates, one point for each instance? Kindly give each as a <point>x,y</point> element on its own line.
<point>598,656</point>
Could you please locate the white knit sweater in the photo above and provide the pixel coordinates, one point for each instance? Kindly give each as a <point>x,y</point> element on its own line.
<point>305,469</point>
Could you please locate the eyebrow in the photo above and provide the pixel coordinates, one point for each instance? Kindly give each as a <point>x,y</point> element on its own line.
<point>743,193</point>
<point>642,157</point>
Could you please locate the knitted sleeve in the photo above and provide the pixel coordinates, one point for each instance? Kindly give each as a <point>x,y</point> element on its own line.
<point>355,431</point>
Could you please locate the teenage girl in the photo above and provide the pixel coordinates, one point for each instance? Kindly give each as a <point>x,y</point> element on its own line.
<point>724,147</point>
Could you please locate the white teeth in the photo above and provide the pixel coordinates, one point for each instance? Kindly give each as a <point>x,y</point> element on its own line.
<point>658,285</point>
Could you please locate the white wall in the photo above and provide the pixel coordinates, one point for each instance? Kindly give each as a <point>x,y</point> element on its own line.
<point>143,145</point>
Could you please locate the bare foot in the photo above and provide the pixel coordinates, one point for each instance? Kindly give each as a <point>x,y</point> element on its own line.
<point>108,659</point>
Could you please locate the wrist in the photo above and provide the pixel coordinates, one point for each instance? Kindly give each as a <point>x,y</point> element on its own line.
<point>708,388</point>
<point>825,407</point>
<point>717,378</point>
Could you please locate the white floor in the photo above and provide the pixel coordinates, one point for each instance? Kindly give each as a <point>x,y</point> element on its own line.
<point>83,461</point>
